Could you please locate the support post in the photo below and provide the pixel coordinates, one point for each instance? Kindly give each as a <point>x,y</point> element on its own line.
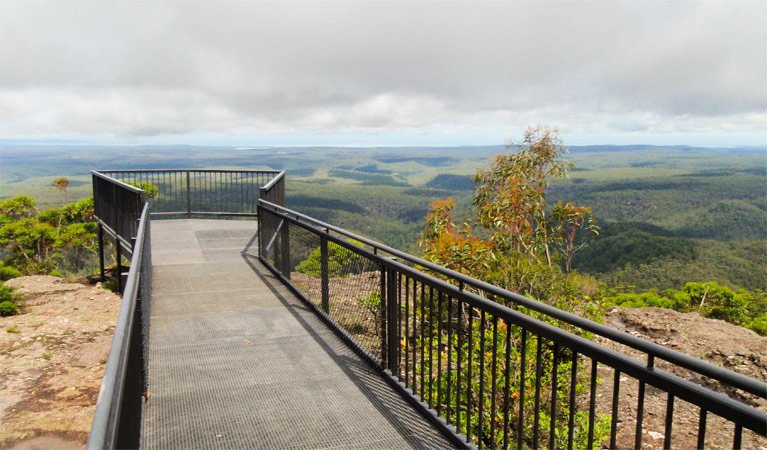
<point>383,321</point>
<point>285,253</point>
<point>188,197</point>
<point>100,234</point>
<point>391,319</point>
<point>119,272</point>
<point>324,274</point>
<point>260,227</point>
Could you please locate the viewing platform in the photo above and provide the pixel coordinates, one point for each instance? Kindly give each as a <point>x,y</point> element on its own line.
<point>272,329</point>
<point>237,361</point>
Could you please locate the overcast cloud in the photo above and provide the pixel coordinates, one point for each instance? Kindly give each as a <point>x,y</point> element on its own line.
<point>383,72</point>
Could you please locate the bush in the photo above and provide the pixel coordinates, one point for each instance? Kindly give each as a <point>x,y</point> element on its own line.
<point>9,301</point>
<point>6,273</point>
<point>338,258</point>
<point>759,325</point>
<point>8,308</point>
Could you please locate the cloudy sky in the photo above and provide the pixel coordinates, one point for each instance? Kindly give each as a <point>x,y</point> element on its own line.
<point>383,73</point>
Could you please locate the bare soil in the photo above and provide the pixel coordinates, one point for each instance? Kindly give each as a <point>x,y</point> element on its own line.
<point>52,360</point>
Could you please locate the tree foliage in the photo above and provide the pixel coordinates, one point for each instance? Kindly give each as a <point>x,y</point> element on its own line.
<point>517,237</point>
<point>515,243</point>
<point>57,239</point>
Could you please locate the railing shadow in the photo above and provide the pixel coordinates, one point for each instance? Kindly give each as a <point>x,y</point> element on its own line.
<point>410,426</point>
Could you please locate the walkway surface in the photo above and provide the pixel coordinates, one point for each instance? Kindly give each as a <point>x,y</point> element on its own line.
<point>237,361</point>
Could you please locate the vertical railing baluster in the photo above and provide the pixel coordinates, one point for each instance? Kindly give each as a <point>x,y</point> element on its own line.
<point>392,315</point>
<point>449,355</point>
<point>382,316</point>
<point>669,421</point>
<point>188,197</point>
<point>640,406</point>
<point>702,429</point>
<point>285,238</point>
<point>459,349</point>
<point>324,275</point>
<point>431,346</point>
<point>439,353</point>
<point>614,420</point>
<point>407,330</point>
<point>538,376</point>
<point>494,381</point>
<point>592,403</point>
<point>415,334</point>
<point>737,443</point>
<point>522,367</point>
<point>480,413</point>
<point>507,387</point>
<point>554,390</point>
<point>469,378</point>
<point>423,342</point>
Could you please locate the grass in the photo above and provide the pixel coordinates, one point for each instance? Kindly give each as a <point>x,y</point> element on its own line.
<point>13,330</point>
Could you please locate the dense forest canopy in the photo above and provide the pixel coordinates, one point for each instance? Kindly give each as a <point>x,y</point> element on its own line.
<point>667,216</point>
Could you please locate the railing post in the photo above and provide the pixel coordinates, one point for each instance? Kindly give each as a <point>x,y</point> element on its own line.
<point>324,274</point>
<point>260,225</point>
<point>119,270</point>
<point>285,253</point>
<point>382,315</point>
<point>391,318</point>
<point>100,234</point>
<point>188,197</point>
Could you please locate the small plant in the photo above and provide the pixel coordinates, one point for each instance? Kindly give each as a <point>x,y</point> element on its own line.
<point>6,273</point>
<point>47,356</point>
<point>111,284</point>
<point>9,301</point>
<point>8,308</point>
<point>12,330</point>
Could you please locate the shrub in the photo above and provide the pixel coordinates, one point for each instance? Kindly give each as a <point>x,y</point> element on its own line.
<point>759,325</point>
<point>9,301</point>
<point>6,273</point>
<point>338,261</point>
<point>8,308</point>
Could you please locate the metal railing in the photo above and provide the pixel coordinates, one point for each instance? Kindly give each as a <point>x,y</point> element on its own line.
<point>522,375</point>
<point>123,213</point>
<point>205,192</point>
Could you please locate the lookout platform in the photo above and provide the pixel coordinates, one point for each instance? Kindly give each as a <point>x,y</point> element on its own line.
<point>237,361</point>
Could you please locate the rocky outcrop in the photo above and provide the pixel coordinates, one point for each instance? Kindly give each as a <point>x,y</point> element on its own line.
<point>52,359</point>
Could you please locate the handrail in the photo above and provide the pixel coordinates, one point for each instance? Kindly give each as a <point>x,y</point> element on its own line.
<point>734,379</point>
<point>273,181</point>
<point>106,419</point>
<point>101,174</point>
<point>189,170</point>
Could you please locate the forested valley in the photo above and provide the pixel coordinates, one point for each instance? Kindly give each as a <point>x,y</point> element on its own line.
<point>659,226</point>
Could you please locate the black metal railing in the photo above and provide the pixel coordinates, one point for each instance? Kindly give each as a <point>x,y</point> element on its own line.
<point>205,192</point>
<point>123,213</point>
<point>499,368</point>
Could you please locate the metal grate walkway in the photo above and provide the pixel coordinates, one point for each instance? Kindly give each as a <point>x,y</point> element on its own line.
<point>237,361</point>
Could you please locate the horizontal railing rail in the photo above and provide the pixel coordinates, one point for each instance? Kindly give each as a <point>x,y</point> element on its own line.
<point>195,192</point>
<point>495,374</point>
<point>274,190</point>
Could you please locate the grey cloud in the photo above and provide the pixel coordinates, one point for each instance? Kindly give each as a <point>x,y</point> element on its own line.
<point>183,67</point>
